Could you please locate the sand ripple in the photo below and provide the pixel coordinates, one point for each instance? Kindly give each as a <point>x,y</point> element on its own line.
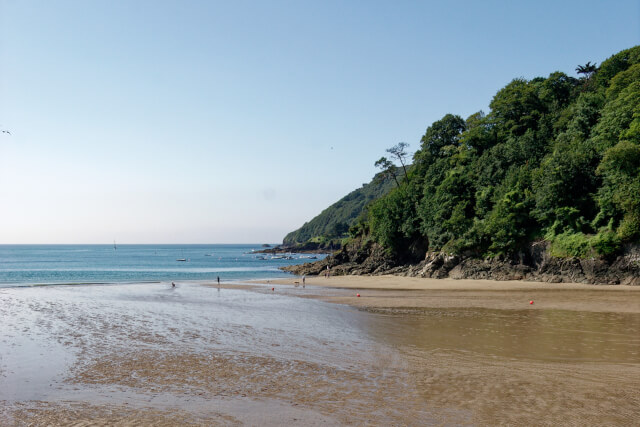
<point>149,355</point>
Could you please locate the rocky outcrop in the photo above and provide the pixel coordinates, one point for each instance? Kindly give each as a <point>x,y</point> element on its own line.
<point>534,264</point>
<point>357,257</point>
<point>307,248</point>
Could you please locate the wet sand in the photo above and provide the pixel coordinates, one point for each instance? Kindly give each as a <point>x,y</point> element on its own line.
<point>404,353</point>
<point>194,355</point>
<point>570,358</point>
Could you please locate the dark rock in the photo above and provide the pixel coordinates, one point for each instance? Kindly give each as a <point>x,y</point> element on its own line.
<point>534,263</point>
<point>308,247</point>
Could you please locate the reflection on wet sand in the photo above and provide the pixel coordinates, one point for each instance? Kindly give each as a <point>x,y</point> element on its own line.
<point>517,367</point>
<point>151,355</point>
<point>546,335</point>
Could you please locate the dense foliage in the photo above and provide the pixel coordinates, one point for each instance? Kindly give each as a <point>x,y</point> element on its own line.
<point>556,158</point>
<point>333,223</point>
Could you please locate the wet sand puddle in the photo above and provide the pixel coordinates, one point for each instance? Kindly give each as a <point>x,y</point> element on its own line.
<point>229,356</point>
<point>522,367</point>
<point>152,355</point>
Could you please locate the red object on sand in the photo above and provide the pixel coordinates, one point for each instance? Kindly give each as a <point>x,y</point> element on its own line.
<point>530,302</point>
<point>272,289</point>
<point>358,295</point>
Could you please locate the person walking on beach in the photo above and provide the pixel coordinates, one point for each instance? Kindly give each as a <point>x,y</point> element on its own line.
<point>218,281</point>
<point>304,276</point>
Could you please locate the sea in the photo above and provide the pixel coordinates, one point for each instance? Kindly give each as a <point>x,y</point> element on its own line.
<point>31,265</point>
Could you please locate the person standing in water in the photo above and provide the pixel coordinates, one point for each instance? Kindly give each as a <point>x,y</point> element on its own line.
<point>218,281</point>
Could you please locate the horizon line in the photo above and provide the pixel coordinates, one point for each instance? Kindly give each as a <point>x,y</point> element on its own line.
<point>131,244</point>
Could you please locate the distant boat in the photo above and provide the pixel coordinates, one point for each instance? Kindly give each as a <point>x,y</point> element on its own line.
<point>181,259</point>
<point>114,245</point>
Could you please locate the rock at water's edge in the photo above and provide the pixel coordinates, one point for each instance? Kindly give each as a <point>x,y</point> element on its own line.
<point>533,264</point>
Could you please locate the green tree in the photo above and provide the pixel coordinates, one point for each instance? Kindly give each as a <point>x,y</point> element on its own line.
<point>616,64</point>
<point>446,210</point>
<point>478,134</point>
<point>566,178</point>
<point>617,117</point>
<point>556,158</point>
<point>619,196</point>
<point>557,91</point>
<point>622,80</point>
<point>445,132</point>
<point>587,69</point>
<point>388,169</point>
<point>509,224</point>
<point>516,108</point>
<point>394,223</point>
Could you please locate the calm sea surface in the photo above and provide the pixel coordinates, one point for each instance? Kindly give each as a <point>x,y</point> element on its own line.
<point>22,265</point>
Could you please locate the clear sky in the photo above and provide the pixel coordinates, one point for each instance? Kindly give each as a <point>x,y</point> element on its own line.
<point>237,121</point>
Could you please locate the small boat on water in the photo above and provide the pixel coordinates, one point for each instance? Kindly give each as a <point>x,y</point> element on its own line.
<point>181,259</point>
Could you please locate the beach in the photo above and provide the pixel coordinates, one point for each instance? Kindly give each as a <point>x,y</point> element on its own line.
<point>407,292</point>
<point>408,351</point>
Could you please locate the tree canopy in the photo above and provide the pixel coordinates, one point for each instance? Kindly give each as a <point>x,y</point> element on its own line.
<point>556,158</point>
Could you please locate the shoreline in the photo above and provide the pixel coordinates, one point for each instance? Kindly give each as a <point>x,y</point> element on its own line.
<point>535,263</point>
<point>398,292</point>
<point>193,355</point>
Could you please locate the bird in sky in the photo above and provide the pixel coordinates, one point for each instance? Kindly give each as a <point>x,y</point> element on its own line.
<point>7,132</point>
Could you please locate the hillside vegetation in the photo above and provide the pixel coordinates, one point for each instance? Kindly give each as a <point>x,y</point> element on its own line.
<point>555,159</point>
<point>333,223</point>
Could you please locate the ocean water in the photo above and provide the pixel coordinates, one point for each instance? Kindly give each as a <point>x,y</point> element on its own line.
<point>24,265</point>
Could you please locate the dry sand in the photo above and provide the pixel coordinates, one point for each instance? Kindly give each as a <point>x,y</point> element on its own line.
<point>413,292</point>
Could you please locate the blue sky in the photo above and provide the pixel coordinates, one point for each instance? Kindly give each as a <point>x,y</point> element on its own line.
<point>222,122</point>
